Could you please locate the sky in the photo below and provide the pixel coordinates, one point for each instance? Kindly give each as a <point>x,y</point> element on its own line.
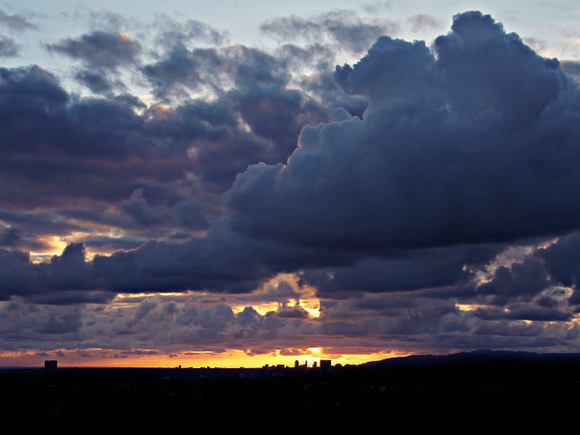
<point>241,183</point>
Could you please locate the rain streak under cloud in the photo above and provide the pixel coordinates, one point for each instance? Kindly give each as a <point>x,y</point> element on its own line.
<point>172,195</point>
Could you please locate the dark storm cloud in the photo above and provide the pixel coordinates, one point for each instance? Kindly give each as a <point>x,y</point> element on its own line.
<point>390,189</point>
<point>217,69</point>
<point>41,223</point>
<point>9,236</point>
<point>222,261</point>
<point>572,68</point>
<point>520,281</point>
<point>67,272</point>
<point>189,213</point>
<point>526,313</point>
<point>561,260</point>
<point>181,68</point>
<point>101,53</point>
<point>97,81</point>
<point>42,130</point>
<point>355,184</point>
<point>256,112</point>
<point>474,142</point>
<point>406,271</point>
<point>98,147</point>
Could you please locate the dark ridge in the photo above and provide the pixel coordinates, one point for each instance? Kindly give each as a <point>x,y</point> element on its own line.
<point>478,356</point>
<point>485,388</point>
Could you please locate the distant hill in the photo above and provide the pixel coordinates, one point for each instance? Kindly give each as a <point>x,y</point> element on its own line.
<point>478,356</point>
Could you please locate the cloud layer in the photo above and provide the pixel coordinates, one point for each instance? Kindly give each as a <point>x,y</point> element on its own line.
<point>421,198</point>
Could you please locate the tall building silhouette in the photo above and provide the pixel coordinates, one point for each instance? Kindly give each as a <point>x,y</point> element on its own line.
<point>49,368</point>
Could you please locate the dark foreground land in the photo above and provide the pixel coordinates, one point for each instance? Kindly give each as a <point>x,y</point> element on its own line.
<point>479,386</point>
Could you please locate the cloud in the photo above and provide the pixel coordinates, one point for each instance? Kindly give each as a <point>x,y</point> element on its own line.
<point>404,271</point>
<point>9,236</point>
<point>377,6</point>
<point>342,27</point>
<point>16,22</point>
<point>572,68</point>
<point>469,143</point>
<point>99,49</point>
<point>530,314</point>
<point>8,48</point>
<point>421,21</point>
<point>97,81</point>
<point>420,198</point>
<point>520,281</point>
<point>102,54</point>
<point>172,33</point>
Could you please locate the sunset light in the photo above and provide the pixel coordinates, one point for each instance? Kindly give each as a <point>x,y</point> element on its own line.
<point>242,184</point>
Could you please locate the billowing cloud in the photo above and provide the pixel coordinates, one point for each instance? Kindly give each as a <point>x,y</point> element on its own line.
<point>205,197</point>
<point>473,142</point>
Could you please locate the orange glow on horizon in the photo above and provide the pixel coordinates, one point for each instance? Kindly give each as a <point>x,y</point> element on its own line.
<point>152,358</point>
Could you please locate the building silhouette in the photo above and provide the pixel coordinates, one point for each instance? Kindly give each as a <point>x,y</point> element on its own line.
<point>49,368</point>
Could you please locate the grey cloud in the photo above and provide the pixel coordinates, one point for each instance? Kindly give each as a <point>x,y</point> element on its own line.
<point>342,27</point>
<point>97,81</point>
<point>519,281</point>
<point>378,6</point>
<point>421,21</point>
<point>487,85</point>
<point>404,271</point>
<point>33,323</point>
<point>172,32</point>
<point>99,151</point>
<point>68,272</point>
<point>572,68</point>
<point>189,213</point>
<point>181,71</point>
<point>180,68</point>
<point>16,22</point>
<point>99,49</point>
<point>221,262</point>
<point>391,204</point>
<point>560,260</point>
<point>164,323</point>
<point>107,20</point>
<point>9,236</point>
<point>525,313</point>
<point>392,70</point>
<point>482,149</point>
<point>8,48</point>
<point>111,244</point>
<point>292,313</point>
<point>62,324</point>
<point>136,206</point>
<point>37,114</point>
